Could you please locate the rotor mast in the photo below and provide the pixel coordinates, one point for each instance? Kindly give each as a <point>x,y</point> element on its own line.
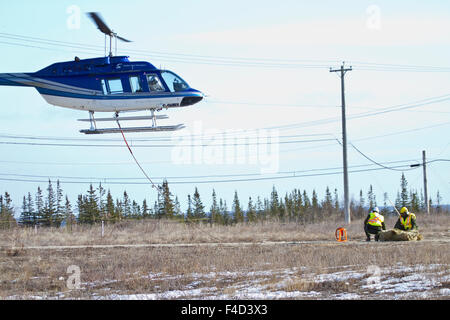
<point>101,25</point>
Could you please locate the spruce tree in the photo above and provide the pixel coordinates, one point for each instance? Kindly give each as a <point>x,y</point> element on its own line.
<point>336,201</point>
<point>69,217</point>
<point>360,210</point>
<point>145,209</point>
<point>215,210</point>
<point>298,205</point>
<point>27,215</point>
<point>166,203</point>
<point>135,210</point>
<point>189,212</point>
<point>259,209</point>
<point>371,198</point>
<point>91,202</point>
<point>177,208</point>
<point>438,202</point>
<point>59,210</point>
<point>110,211</point>
<point>199,208</point>
<point>306,207</point>
<point>404,197</point>
<point>81,209</point>
<point>286,209</point>
<point>126,205</point>
<point>274,203</point>
<point>414,201</point>
<point>314,205</point>
<point>224,211</point>
<point>327,204</point>
<point>49,213</point>
<point>7,219</point>
<point>251,211</point>
<point>119,211</point>
<point>238,214</point>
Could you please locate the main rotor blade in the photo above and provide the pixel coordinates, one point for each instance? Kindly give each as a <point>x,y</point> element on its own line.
<point>123,39</point>
<point>95,16</point>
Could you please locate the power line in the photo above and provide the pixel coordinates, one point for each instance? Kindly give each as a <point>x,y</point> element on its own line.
<point>221,60</point>
<point>395,108</point>
<point>159,145</point>
<point>377,163</point>
<point>199,181</point>
<point>291,172</point>
<point>159,139</point>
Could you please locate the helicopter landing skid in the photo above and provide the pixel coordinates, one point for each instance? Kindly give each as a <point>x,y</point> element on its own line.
<point>154,128</point>
<point>133,129</point>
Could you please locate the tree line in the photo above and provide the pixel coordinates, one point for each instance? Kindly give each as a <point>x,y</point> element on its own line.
<point>52,208</point>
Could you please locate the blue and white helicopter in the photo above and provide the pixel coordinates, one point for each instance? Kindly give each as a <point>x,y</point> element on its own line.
<point>109,84</point>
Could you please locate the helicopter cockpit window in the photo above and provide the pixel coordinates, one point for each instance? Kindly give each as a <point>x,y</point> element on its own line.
<point>115,86</point>
<point>174,82</point>
<point>154,83</point>
<point>135,84</point>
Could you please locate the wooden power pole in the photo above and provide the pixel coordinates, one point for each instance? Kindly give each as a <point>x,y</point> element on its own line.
<point>425,188</point>
<point>342,72</point>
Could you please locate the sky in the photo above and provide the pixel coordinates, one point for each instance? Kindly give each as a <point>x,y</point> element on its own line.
<point>265,70</point>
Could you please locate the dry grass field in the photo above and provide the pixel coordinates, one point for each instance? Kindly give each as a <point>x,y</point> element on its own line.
<point>270,260</point>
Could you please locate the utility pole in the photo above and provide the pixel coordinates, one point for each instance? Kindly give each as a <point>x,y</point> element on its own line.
<point>343,71</point>
<point>425,188</point>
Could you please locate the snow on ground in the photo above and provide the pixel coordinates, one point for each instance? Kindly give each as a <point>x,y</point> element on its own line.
<point>338,283</point>
<point>400,282</point>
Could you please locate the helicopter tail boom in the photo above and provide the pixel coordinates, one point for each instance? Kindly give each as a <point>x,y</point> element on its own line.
<point>14,79</point>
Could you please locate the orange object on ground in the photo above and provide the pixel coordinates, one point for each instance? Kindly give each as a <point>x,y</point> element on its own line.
<point>341,234</point>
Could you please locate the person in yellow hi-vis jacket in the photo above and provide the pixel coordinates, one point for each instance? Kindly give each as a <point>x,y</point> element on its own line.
<point>406,220</point>
<point>374,224</point>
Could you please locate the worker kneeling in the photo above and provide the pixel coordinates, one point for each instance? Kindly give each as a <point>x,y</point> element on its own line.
<point>406,221</point>
<point>374,224</point>
<point>405,228</point>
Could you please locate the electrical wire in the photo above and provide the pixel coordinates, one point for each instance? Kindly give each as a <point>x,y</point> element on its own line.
<point>224,61</point>
<point>291,172</point>
<point>377,163</point>
<point>158,145</point>
<point>204,181</point>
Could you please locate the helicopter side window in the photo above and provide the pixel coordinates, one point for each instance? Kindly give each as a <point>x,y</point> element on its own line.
<point>115,86</point>
<point>154,83</point>
<point>104,88</point>
<point>135,84</point>
<point>174,82</point>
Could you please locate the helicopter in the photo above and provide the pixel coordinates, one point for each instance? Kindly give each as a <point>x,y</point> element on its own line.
<point>109,84</point>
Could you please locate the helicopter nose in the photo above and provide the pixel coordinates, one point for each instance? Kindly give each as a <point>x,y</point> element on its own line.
<point>188,101</point>
<point>195,97</point>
